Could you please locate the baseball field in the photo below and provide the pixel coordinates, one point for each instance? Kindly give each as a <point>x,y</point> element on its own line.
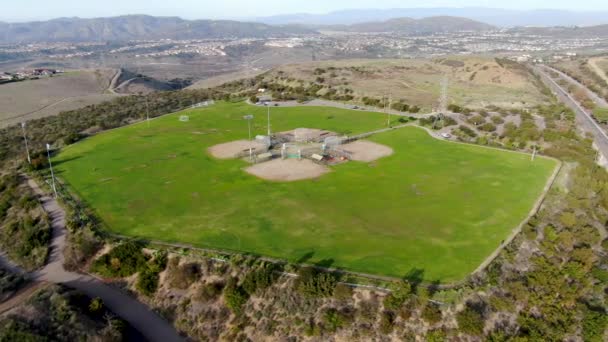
<point>431,205</point>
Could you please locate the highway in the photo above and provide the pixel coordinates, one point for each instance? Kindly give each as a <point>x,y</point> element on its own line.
<point>583,118</point>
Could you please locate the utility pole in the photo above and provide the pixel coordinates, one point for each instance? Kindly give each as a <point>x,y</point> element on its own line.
<point>48,151</point>
<point>27,150</point>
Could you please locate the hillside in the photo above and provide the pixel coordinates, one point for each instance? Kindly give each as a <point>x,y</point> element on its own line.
<point>425,25</point>
<point>134,27</point>
<point>473,81</point>
<point>31,99</point>
<point>494,16</point>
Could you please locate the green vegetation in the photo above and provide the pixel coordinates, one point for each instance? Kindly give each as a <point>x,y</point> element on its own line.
<point>122,261</point>
<point>58,314</point>
<point>24,228</point>
<point>601,114</point>
<point>159,183</point>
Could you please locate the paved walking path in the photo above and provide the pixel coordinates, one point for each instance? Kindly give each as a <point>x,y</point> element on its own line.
<point>147,322</point>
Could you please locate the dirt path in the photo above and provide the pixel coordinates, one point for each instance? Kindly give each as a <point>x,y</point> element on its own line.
<point>147,322</point>
<point>596,68</point>
<point>22,295</point>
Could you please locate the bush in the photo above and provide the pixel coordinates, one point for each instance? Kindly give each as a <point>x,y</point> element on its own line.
<point>123,260</point>
<point>595,323</point>
<point>470,321</point>
<point>312,283</point>
<point>487,127</point>
<point>210,291</point>
<point>259,278</point>
<point>466,130</point>
<point>343,292</point>
<point>497,120</point>
<point>184,275</point>
<point>235,296</point>
<point>476,120</point>
<point>395,299</point>
<point>82,245</point>
<point>431,313</point>
<point>96,305</point>
<point>147,281</point>
<point>333,320</point>
<point>387,322</point>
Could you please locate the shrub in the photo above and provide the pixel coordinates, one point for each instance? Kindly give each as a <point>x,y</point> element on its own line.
<point>431,313</point>
<point>147,281</point>
<point>210,291</point>
<point>82,245</point>
<point>466,130</point>
<point>96,305</point>
<point>595,323</point>
<point>343,292</point>
<point>487,127</point>
<point>235,296</point>
<point>333,320</point>
<point>476,120</point>
<point>184,275</point>
<point>470,321</point>
<point>497,120</point>
<point>259,278</point>
<point>312,283</point>
<point>122,261</point>
<point>396,298</point>
<point>387,322</point>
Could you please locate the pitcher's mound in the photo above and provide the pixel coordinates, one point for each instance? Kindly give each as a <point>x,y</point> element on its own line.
<point>366,151</point>
<point>287,170</point>
<point>236,149</point>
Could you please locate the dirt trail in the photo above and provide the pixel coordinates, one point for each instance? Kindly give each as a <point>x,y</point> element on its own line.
<point>142,318</point>
<point>22,295</point>
<point>597,69</point>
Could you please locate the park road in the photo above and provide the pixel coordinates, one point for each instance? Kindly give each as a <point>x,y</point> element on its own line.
<point>139,316</point>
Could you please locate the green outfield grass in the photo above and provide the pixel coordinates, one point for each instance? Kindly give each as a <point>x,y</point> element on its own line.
<point>434,206</point>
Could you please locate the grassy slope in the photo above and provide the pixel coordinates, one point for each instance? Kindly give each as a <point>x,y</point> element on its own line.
<point>433,205</point>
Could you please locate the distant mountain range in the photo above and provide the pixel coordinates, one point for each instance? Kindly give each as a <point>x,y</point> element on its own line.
<point>142,27</point>
<point>416,26</point>
<point>134,27</point>
<point>492,16</point>
<point>139,27</point>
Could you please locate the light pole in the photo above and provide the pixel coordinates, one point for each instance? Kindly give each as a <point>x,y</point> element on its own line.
<point>147,112</point>
<point>269,121</point>
<point>48,151</point>
<point>27,150</point>
<point>248,118</point>
<point>388,115</point>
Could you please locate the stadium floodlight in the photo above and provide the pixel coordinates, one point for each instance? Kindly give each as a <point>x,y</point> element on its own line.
<point>27,149</point>
<point>248,118</point>
<point>48,151</point>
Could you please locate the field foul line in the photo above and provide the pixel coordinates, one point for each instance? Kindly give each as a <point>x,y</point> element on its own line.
<point>518,229</point>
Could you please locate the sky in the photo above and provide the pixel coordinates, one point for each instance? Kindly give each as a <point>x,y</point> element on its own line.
<point>24,10</point>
